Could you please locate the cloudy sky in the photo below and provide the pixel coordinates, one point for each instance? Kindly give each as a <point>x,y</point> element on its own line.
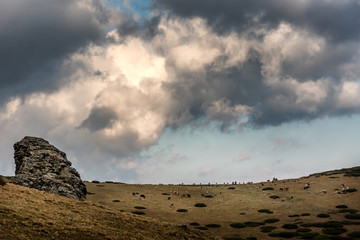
<point>186,91</point>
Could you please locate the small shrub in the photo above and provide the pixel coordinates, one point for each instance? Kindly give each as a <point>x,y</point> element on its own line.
<point>305,214</point>
<point>350,222</point>
<point>95,181</point>
<point>265,211</point>
<point>334,231</point>
<point>138,213</point>
<point>288,234</point>
<point>165,194</point>
<point>354,234</point>
<point>181,210</point>
<point>209,196</point>
<point>274,196</point>
<point>253,224</point>
<point>251,238</point>
<point>109,182</point>
<point>139,207</point>
<point>348,211</point>
<point>283,234</point>
<point>232,238</point>
<point>194,224</point>
<point>213,225</point>
<point>309,235</point>
<point>231,188</point>
<point>200,205</point>
<point>2,181</point>
<point>290,226</point>
<point>267,229</point>
<point>302,230</point>
<point>116,200</point>
<point>329,224</point>
<point>271,220</point>
<point>350,190</point>
<point>100,185</point>
<point>323,215</point>
<point>202,228</point>
<point>237,225</point>
<point>294,215</point>
<point>352,216</point>
<point>341,206</point>
<point>267,188</point>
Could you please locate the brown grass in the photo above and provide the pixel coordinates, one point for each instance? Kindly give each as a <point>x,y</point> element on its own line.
<point>225,207</point>
<point>31,214</point>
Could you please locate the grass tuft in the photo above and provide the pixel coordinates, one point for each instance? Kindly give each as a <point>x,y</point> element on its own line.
<point>265,211</point>
<point>165,194</point>
<point>334,231</point>
<point>139,207</point>
<point>231,188</point>
<point>323,215</point>
<point>267,188</point>
<point>294,215</point>
<point>354,234</point>
<point>271,220</point>
<point>200,205</point>
<point>194,224</point>
<point>267,229</point>
<point>290,226</point>
<point>274,196</point>
<point>116,200</point>
<point>341,206</point>
<point>309,235</point>
<point>305,214</point>
<point>352,216</point>
<point>348,211</point>
<point>253,224</point>
<point>213,225</point>
<point>181,210</point>
<point>237,225</point>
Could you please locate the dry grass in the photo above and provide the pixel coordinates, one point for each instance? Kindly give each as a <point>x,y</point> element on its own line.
<point>31,214</point>
<point>238,205</point>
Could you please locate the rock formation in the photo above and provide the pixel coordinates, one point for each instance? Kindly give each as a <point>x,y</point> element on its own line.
<point>42,166</point>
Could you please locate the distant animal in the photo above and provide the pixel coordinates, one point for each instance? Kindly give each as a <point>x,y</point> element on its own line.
<point>133,194</point>
<point>286,188</point>
<point>281,189</point>
<point>188,195</point>
<point>183,195</point>
<point>307,185</point>
<point>169,198</point>
<point>142,196</point>
<point>172,205</point>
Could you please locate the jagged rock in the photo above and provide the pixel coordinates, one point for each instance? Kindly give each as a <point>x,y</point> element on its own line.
<point>42,166</point>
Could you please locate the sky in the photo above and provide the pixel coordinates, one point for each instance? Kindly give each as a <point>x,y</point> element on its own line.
<point>183,91</point>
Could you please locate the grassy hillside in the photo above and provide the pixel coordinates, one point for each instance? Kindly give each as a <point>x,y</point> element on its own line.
<point>328,209</point>
<point>31,214</point>
<point>232,212</point>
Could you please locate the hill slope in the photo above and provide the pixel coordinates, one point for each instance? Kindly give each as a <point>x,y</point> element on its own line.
<point>31,214</point>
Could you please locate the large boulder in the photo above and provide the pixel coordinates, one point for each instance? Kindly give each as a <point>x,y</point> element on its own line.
<point>42,166</point>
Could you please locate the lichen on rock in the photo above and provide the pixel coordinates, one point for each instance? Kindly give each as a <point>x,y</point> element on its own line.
<point>42,166</point>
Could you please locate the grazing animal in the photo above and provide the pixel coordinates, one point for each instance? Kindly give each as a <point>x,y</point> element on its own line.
<point>281,189</point>
<point>307,185</point>
<point>188,195</point>
<point>142,196</point>
<point>169,198</point>
<point>172,205</point>
<point>286,188</point>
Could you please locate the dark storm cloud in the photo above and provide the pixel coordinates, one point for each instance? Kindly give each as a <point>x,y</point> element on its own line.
<point>36,36</point>
<point>333,22</point>
<point>99,118</point>
<point>337,20</point>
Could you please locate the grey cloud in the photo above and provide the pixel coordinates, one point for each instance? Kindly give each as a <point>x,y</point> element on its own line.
<point>99,118</point>
<point>337,20</point>
<point>37,36</point>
